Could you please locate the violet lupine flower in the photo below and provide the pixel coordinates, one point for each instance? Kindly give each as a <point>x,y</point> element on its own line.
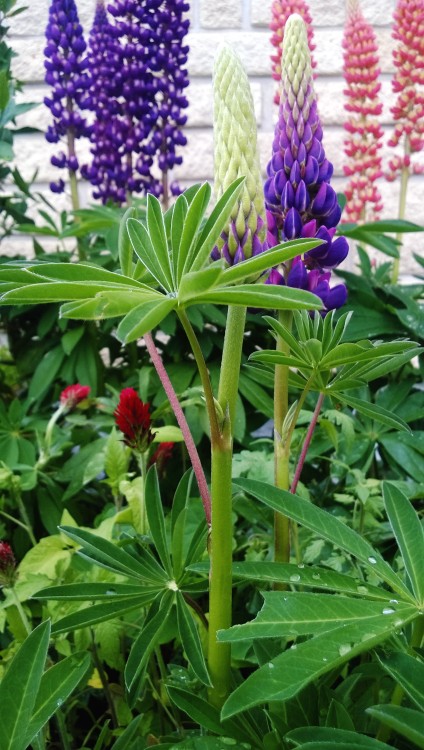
<point>363,104</point>
<point>110,171</point>
<point>66,74</point>
<point>281,10</point>
<point>236,155</point>
<point>408,111</point>
<point>298,196</point>
<point>152,35</point>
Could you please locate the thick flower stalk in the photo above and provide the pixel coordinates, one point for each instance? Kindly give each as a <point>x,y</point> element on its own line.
<point>66,74</point>
<point>298,194</point>
<point>151,35</point>
<point>132,417</point>
<point>110,171</point>
<point>281,10</point>
<point>362,147</point>
<point>236,155</point>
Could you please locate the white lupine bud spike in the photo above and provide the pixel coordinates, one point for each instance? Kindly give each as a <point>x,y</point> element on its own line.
<point>236,153</point>
<point>296,68</point>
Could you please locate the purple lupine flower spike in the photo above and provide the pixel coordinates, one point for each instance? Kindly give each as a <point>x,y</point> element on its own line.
<point>65,66</point>
<point>299,199</point>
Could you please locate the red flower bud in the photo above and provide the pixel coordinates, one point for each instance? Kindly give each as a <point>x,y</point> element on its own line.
<point>72,395</point>
<point>161,455</point>
<point>132,418</point>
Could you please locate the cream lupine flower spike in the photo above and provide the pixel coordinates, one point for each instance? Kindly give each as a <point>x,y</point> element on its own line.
<point>236,155</point>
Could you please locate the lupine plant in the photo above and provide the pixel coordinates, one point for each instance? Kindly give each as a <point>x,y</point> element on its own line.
<point>168,579</point>
<point>281,10</point>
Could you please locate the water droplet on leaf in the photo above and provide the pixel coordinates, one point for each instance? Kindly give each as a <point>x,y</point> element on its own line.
<point>295,578</point>
<point>372,560</point>
<point>388,611</point>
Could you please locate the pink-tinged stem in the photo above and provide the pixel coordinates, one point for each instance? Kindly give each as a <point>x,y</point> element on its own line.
<point>306,444</point>
<point>185,429</point>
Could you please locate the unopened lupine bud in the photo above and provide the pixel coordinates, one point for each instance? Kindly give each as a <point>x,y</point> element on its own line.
<point>281,10</point>
<point>363,104</point>
<point>299,198</point>
<point>236,155</point>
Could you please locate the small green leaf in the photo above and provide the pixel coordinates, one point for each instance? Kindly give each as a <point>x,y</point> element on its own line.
<point>261,295</point>
<point>145,251</point>
<point>408,672</point>
<point>144,318</point>
<point>147,639</point>
<point>125,249</point>
<point>101,612</point>
<point>177,222</point>
<point>156,519</point>
<point>90,591</point>
<point>409,534</point>
<point>374,412</point>
<point>157,232</point>
<point>190,640</point>
<point>259,263</point>
<point>406,721</point>
<point>193,284</point>
<point>19,688</point>
<point>338,739</point>
<point>191,226</point>
<point>56,686</point>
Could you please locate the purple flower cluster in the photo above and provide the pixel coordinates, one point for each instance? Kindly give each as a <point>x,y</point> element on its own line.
<point>66,74</point>
<point>136,67</point>
<point>300,201</point>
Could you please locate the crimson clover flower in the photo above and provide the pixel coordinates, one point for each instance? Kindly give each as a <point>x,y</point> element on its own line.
<point>72,395</point>
<point>66,74</point>
<point>408,81</point>
<point>161,455</point>
<point>7,565</point>
<point>132,418</point>
<point>299,199</point>
<point>281,10</point>
<point>363,104</point>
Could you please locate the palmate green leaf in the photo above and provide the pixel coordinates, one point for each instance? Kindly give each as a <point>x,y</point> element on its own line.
<point>287,336</point>
<point>406,721</point>
<point>403,453</point>
<point>327,526</point>
<point>19,688</point>
<point>190,640</point>
<point>59,291</point>
<point>113,557</point>
<point>355,353</point>
<point>303,736</point>
<point>409,534</point>
<point>261,295</point>
<point>125,249</point>
<point>104,611</point>
<point>90,591</point>
<point>259,263</point>
<point>157,232</point>
<point>306,576</point>
<point>191,226</point>
<point>375,412</point>
<point>216,223</point>
<point>256,395</point>
<point>408,672</point>
<point>55,687</point>
<point>145,252</point>
<point>156,519</point>
<point>143,318</point>
<point>288,673</point>
<point>300,613</point>
<point>148,638</point>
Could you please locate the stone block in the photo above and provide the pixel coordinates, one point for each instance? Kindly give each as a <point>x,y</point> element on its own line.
<point>220,14</point>
<point>254,49</point>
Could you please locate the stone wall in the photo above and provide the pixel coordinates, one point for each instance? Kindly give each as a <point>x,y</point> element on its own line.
<point>243,23</point>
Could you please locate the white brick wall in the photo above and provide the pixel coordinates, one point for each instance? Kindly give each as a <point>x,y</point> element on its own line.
<point>243,23</point>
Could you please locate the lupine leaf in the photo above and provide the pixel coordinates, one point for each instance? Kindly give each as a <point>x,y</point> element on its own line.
<point>288,673</point>
<point>177,222</point>
<point>259,263</point>
<point>57,291</point>
<point>203,713</point>
<point>145,251</point>
<point>406,721</point>
<point>373,411</point>
<point>330,738</point>
<point>147,639</point>
<point>299,613</point>
<point>19,688</point>
<point>83,272</point>
<point>216,223</point>
<point>409,535</point>
<point>190,640</point>
<point>193,284</point>
<point>55,687</point>
<point>327,526</point>
<point>192,223</point>
<point>346,353</point>
<point>259,295</point>
<point>156,519</point>
<point>143,318</point>
<point>90,591</point>
<point>408,672</point>
<point>108,304</point>
<point>102,612</point>
<point>157,232</point>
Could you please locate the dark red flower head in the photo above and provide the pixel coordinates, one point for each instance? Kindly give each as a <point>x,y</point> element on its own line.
<point>133,419</point>
<point>161,455</point>
<point>7,565</point>
<point>73,395</point>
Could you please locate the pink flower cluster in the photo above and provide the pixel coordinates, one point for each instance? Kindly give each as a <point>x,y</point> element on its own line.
<point>408,111</point>
<point>281,10</point>
<point>363,144</point>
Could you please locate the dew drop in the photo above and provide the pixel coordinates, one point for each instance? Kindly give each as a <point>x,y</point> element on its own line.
<point>372,560</point>
<point>301,565</point>
<point>398,623</point>
<point>293,647</point>
<point>324,658</point>
<point>295,578</point>
<point>59,702</point>
<point>344,649</point>
<point>316,576</point>
<point>111,592</point>
<point>228,741</point>
<point>270,665</point>
<point>394,601</point>
<point>388,611</point>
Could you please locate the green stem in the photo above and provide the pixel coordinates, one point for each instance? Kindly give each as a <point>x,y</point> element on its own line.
<point>221,537</point>
<point>404,178</point>
<point>19,607</point>
<point>104,680</point>
<point>204,374</point>
<point>281,447</point>
<point>142,462</point>
<point>16,494</point>
<point>48,437</point>
<point>384,731</point>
